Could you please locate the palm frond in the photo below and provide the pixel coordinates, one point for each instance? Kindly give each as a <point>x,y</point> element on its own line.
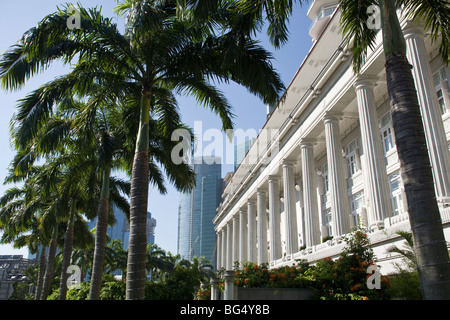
<point>434,14</point>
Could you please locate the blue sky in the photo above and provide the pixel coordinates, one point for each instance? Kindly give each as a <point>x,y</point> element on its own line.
<point>250,113</point>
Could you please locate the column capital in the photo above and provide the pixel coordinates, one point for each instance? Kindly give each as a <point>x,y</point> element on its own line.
<point>287,163</point>
<point>307,142</point>
<point>332,116</point>
<point>261,191</point>
<point>413,28</point>
<point>273,177</point>
<point>365,81</point>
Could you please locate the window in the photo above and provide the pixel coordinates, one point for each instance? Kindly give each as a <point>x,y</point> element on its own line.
<point>356,204</point>
<point>351,155</point>
<point>396,193</point>
<point>441,85</point>
<point>327,221</point>
<point>386,133</point>
<point>324,186</point>
<point>325,177</point>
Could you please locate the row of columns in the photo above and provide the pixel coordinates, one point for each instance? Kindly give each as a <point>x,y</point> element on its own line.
<point>246,233</point>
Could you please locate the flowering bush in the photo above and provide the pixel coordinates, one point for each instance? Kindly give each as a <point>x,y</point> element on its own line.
<point>341,279</point>
<point>203,293</point>
<point>346,277</point>
<point>260,276</point>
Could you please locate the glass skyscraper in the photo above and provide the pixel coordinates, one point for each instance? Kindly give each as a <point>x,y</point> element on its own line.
<point>240,150</point>
<point>196,210</point>
<point>121,229</point>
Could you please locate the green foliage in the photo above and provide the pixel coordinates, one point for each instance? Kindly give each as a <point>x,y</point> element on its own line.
<point>405,285</point>
<point>113,290</point>
<point>346,277</point>
<point>342,279</point>
<point>180,283</point>
<point>260,276</point>
<point>21,291</point>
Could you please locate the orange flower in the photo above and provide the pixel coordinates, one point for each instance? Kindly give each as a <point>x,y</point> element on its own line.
<point>246,280</point>
<point>365,298</point>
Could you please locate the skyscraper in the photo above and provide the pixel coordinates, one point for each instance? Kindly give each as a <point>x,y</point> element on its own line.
<point>196,235</point>
<point>240,150</point>
<point>121,229</point>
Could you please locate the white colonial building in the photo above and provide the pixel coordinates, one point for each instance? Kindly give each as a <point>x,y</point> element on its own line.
<point>329,161</point>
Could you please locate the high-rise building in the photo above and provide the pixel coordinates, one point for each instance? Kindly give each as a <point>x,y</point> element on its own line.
<point>121,229</point>
<point>240,150</point>
<point>196,210</point>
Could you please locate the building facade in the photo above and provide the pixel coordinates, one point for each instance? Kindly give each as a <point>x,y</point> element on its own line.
<point>196,210</point>
<point>333,163</point>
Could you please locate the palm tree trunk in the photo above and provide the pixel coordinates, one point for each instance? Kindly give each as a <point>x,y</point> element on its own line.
<point>100,238</point>
<point>137,254</point>
<point>425,219</point>
<point>67,253</point>
<point>37,294</point>
<point>48,277</point>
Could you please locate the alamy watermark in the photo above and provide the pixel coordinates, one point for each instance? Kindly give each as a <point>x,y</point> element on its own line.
<point>74,20</point>
<point>213,145</point>
<point>374,20</point>
<point>74,280</point>
<point>374,279</point>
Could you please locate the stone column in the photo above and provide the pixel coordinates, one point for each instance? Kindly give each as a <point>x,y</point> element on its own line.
<point>274,219</point>
<point>224,247</point>
<point>230,261</point>
<point>261,226</point>
<point>236,234</point>
<point>429,107</point>
<point>243,234</point>
<point>337,183</point>
<point>251,245</point>
<point>215,292</point>
<point>219,250</point>
<point>312,231</point>
<point>376,187</point>
<point>289,208</point>
<point>229,285</point>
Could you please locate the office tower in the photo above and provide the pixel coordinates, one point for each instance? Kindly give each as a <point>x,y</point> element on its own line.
<point>121,229</point>
<point>240,150</point>
<point>196,235</point>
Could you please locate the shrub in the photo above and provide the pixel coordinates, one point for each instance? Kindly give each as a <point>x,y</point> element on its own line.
<point>260,276</point>
<point>341,279</point>
<point>113,290</point>
<point>346,277</point>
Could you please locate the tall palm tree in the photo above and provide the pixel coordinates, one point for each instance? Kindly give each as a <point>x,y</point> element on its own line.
<point>157,57</point>
<point>430,245</point>
<point>431,252</point>
<point>25,216</point>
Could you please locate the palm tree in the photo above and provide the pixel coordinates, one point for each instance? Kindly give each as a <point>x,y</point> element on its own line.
<point>26,217</point>
<point>158,264</point>
<point>430,246</point>
<point>116,257</point>
<point>159,56</point>
<point>424,215</point>
<point>407,253</point>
